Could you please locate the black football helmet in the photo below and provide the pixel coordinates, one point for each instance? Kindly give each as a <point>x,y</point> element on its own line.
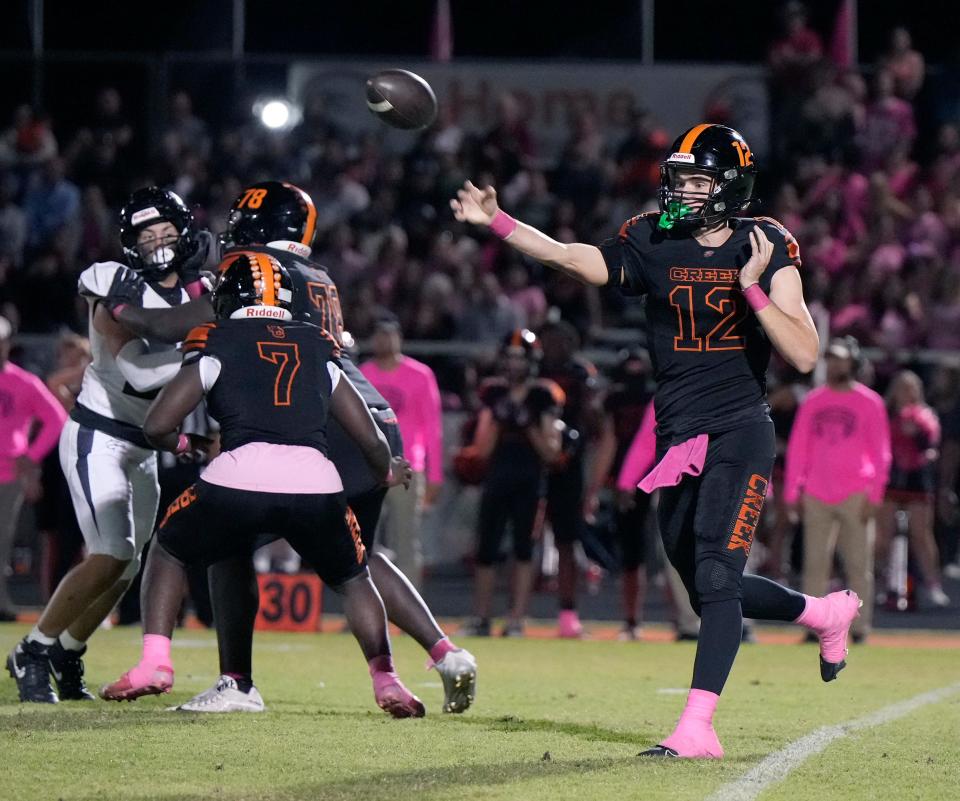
<point>717,151</point>
<point>149,206</point>
<point>269,212</point>
<point>252,285</point>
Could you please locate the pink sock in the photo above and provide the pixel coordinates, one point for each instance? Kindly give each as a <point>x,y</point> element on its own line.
<point>381,664</point>
<point>815,613</point>
<point>156,653</point>
<point>441,648</point>
<point>701,704</point>
<point>694,735</point>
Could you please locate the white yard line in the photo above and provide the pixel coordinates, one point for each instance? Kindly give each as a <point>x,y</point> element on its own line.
<point>775,767</point>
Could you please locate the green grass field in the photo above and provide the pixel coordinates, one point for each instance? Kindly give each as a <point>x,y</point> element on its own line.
<point>553,720</point>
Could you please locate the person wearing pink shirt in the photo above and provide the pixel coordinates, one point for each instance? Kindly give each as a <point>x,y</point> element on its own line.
<point>915,444</point>
<point>24,401</point>
<point>410,388</point>
<point>837,467</point>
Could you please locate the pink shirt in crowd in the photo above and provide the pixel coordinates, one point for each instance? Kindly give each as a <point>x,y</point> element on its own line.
<point>411,390</point>
<point>914,437</point>
<point>839,446</point>
<point>24,399</point>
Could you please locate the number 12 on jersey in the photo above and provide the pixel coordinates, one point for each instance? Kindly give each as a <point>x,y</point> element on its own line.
<point>725,335</point>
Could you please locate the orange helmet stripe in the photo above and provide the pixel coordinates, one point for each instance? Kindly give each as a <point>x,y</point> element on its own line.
<point>268,294</point>
<point>311,226</point>
<point>692,135</point>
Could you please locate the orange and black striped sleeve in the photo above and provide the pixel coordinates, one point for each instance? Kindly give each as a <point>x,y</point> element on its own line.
<point>786,249</point>
<point>195,345</point>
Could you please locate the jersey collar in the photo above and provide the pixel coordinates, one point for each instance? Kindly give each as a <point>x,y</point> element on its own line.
<point>297,248</point>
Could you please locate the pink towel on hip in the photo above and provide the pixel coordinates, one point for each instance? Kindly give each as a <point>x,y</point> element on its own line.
<point>687,458</point>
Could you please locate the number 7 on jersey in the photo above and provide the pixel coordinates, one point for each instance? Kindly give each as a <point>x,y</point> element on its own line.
<point>286,355</point>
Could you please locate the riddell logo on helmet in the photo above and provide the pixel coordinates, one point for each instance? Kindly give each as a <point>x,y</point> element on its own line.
<point>745,526</point>
<point>144,214</point>
<point>686,157</point>
<point>265,311</point>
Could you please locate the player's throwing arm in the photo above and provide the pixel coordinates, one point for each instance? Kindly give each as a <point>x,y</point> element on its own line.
<point>479,206</point>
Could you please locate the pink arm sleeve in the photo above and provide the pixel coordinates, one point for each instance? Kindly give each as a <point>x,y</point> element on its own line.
<point>641,454</point>
<point>51,415</point>
<point>795,472</point>
<point>433,429</point>
<point>882,454</point>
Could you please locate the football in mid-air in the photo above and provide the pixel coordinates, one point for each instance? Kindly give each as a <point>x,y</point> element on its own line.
<point>401,99</point>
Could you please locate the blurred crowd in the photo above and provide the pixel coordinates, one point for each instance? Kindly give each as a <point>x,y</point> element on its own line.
<point>877,216</point>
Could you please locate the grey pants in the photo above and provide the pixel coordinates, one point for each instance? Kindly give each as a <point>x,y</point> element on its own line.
<point>400,527</point>
<point>11,501</point>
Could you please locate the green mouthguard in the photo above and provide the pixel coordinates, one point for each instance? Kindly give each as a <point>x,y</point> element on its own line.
<point>674,212</point>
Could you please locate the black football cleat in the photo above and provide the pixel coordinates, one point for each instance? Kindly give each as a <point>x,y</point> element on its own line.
<point>29,665</point>
<point>660,751</point>
<point>67,669</point>
<point>829,670</point>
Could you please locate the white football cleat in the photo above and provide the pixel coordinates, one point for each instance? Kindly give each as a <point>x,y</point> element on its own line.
<point>458,671</point>
<point>224,696</point>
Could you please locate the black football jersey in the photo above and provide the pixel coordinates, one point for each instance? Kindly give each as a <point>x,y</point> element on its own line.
<point>709,351</point>
<point>317,301</point>
<point>578,380</point>
<point>513,450</point>
<point>274,385</point>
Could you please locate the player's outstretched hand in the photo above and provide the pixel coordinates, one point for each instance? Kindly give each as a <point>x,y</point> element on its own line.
<point>761,251</point>
<point>473,205</point>
<point>400,473</point>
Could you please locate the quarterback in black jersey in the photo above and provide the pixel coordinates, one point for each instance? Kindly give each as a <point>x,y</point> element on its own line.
<point>271,383</point>
<point>720,291</point>
<point>279,219</point>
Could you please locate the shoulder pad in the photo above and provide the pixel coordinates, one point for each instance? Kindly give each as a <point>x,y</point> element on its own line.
<point>775,230</point>
<point>551,388</point>
<point>96,280</point>
<point>198,338</point>
<point>625,228</point>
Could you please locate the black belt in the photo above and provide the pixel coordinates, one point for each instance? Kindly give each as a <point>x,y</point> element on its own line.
<point>115,428</point>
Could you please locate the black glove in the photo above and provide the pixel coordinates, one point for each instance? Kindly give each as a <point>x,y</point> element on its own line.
<point>190,269</point>
<point>126,289</point>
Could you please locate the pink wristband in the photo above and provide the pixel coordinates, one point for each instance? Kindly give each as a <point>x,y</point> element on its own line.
<point>117,309</point>
<point>756,297</point>
<point>194,289</point>
<point>183,444</point>
<point>502,224</point>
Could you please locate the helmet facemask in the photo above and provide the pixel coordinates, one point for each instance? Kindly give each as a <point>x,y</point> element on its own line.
<point>684,209</point>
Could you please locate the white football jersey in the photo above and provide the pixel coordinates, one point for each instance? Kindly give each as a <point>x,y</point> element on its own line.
<point>105,390</point>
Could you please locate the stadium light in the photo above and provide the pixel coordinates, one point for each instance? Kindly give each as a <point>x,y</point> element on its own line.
<point>276,114</point>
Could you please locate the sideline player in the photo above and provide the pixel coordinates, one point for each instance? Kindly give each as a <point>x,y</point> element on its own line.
<point>110,468</point>
<point>270,382</point>
<point>280,219</point>
<point>720,290</point>
<point>517,435</point>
